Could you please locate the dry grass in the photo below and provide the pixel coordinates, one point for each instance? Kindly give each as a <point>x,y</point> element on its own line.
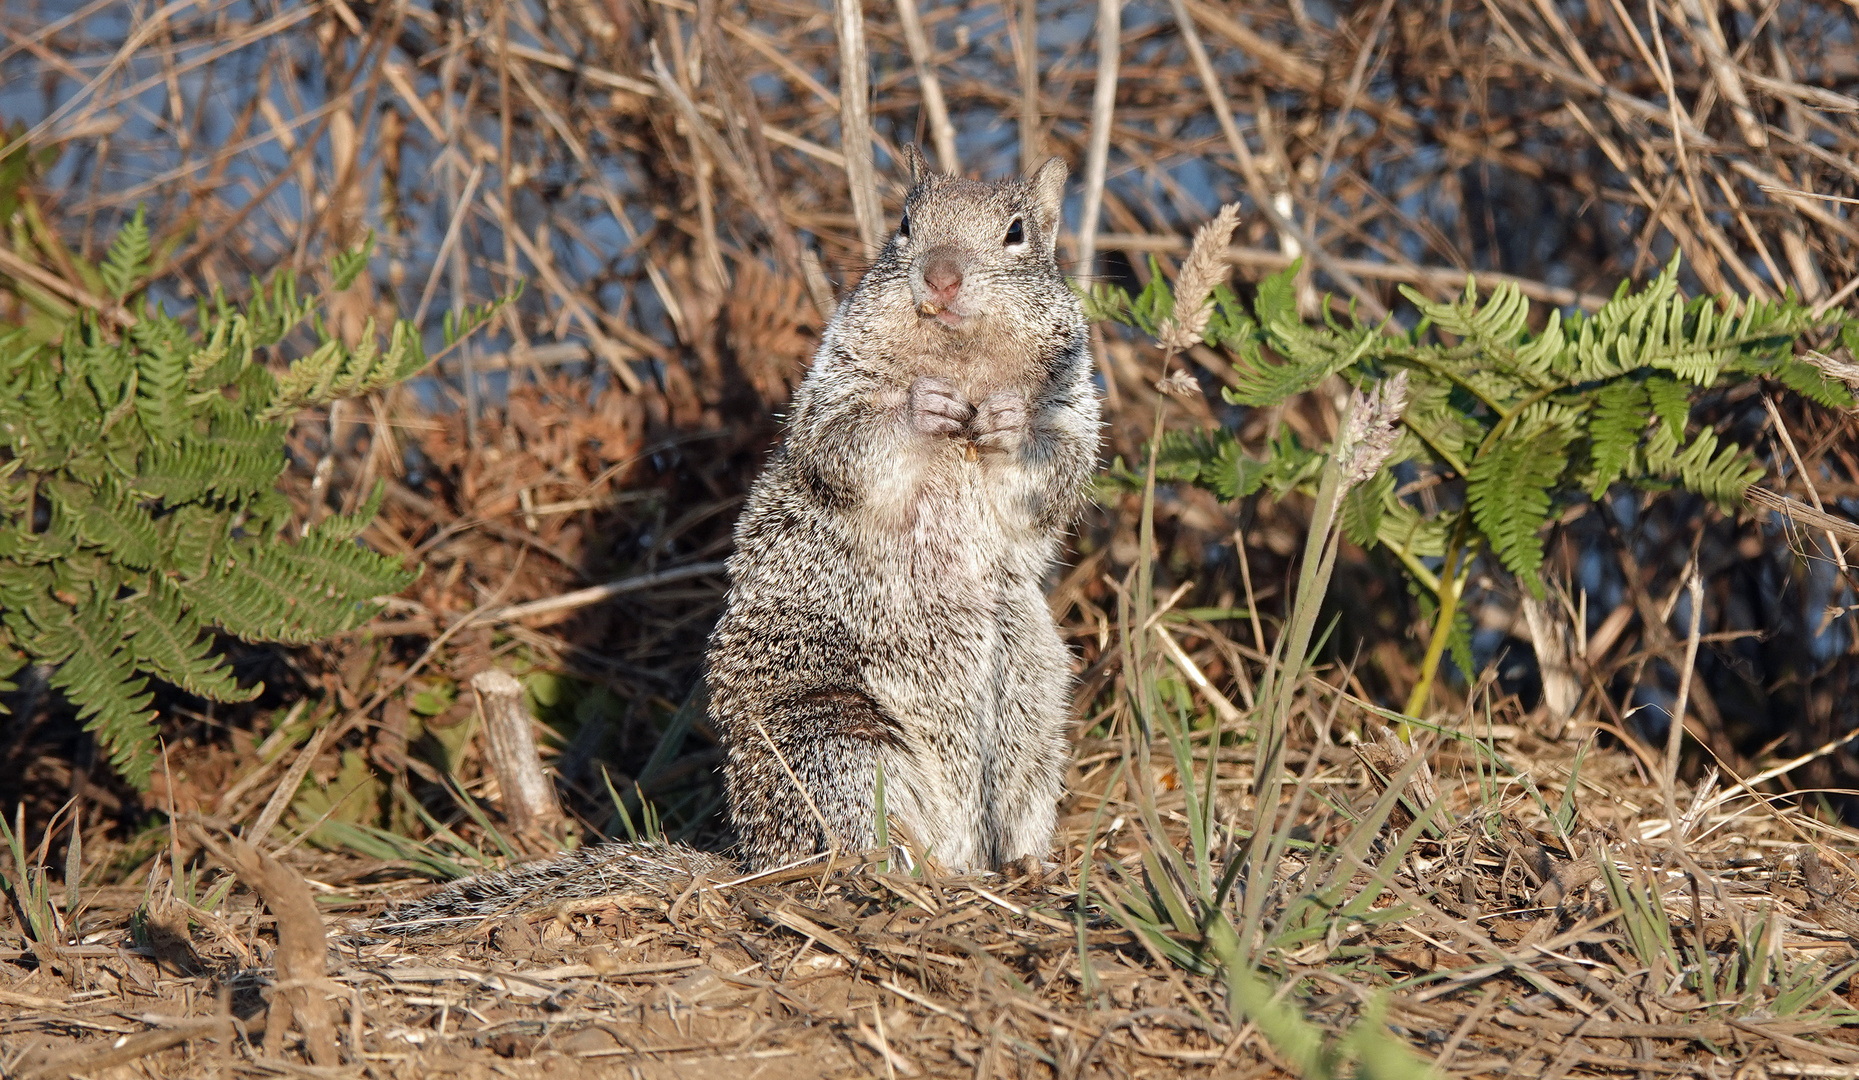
<point>1510,955</point>
<point>680,226</point>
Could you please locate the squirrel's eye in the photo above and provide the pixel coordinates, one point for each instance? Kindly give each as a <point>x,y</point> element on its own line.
<point>903,227</point>
<point>1016,233</point>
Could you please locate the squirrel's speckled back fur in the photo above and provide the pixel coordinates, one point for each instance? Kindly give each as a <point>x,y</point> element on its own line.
<point>887,604</point>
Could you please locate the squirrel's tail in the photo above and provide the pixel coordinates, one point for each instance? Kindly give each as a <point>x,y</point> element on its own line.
<point>582,874</point>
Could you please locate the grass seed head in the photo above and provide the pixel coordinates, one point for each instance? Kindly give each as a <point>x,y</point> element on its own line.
<point>1205,268</point>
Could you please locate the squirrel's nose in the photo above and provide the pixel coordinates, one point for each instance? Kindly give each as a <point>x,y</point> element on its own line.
<point>943,278</point>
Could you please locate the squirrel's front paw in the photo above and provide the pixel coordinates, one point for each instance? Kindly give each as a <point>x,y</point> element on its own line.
<point>1001,422</point>
<point>937,407</point>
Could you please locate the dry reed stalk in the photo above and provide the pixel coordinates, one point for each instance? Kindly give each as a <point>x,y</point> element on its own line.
<point>935,109</point>
<point>1256,186</point>
<point>1675,729</point>
<point>1103,113</point>
<point>855,121</point>
<point>1023,33</point>
<point>747,141</point>
<point>1800,470</point>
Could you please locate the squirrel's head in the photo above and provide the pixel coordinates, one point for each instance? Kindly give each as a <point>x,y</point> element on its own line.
<point>968,251</point>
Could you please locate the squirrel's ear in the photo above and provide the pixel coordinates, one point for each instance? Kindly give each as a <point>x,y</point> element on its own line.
<point>1049,188</point>
<point>913,159</point>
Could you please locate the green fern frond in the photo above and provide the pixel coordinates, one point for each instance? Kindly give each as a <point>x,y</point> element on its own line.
<point>1365,506</point>
<point>1671,404</point>
<point>268,591</point>
<point>86,573</point>
<point>247,454</point>
<point>333,372</point>
<point>1310,355</point>
<point>158,452</point>
<point>1440,417</point>
<point>1214,460</point>
<point>100,371</point>
<point>1809,381</point>
<point>27,603</point>
<point>226,352</point>
<point>1406,531</point>
<point>176,473</point>
<point>341,527</point>
<point>250,599</point>
<point>1459,645</point>
<point>463,323</point>
<point>1547,355</point>
<point>1276,302</point>
<point>17,351</point>
<point>1494,327</point>
<point>344,567</point>
<point>1145,312</point>
<point>1230,326</point>
<point>12,658</point>
<point>1104,303</point>
<point>1605,343</point>
<point>127,262</point>
<point>107,517</point>
<point>170,642</point>
<point>97,674</point>
<point>1721,473</point>
<point>272,316</point>
<point>1289,464</point>
<point>1233,474</point>
<point>1510,492</point>
<point>161,377</point>
<point>1181,455</point>
<point>406,357</point>
<point>24,549</point>
<point>312,378</point>
<point>346,266</point>
<point>192,535</point>
<point>1614,430</point>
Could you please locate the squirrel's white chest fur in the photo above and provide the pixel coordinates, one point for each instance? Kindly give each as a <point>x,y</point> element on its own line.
<point>959,562</point>
<point>932,506</point>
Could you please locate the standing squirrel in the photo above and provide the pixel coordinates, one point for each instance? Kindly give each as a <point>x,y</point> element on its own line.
<point>886,608</point>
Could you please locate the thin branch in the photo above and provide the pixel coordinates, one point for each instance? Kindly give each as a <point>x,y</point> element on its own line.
<point>935,109</point>
<point>855,121</point>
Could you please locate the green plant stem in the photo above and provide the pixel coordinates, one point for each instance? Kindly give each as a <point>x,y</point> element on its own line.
<point>1452,578</point>
<point>1417,568</point>
<point>1509,419</point>
<point>1138,604</point>
<point>1142,600</point>
<point>1278,686</point>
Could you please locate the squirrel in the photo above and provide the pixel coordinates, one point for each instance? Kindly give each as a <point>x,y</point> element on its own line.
<point>886,613</point>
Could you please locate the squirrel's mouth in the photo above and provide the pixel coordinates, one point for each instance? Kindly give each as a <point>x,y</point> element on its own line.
<point>942,316</point>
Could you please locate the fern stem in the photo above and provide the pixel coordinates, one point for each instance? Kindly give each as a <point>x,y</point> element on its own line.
<point>1509,418</point>
<point>1418,359</point>
<point>1417,568</point>
<point>1440,450</point>
<point>1452,578</point>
